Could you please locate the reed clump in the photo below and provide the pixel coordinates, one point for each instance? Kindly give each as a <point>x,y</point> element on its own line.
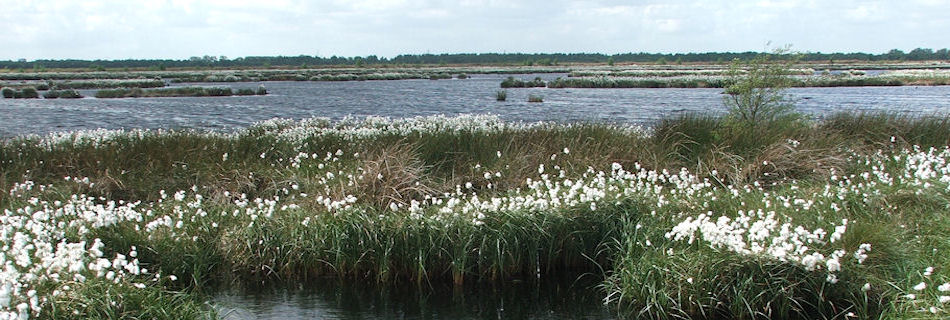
<point>22,93</point>
<point>501,95</point>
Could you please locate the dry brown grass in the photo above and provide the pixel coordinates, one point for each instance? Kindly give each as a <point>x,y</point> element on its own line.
<point>393,174</point>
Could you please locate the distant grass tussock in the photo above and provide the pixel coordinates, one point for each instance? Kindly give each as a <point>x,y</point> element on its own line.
<point>501,95</point>
<point>64,94</point>
<point>24,93</point>
<point>511,82</point>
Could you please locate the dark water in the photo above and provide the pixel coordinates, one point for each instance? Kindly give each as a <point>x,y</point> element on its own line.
<point>561,299</point>
<point>406,98</point>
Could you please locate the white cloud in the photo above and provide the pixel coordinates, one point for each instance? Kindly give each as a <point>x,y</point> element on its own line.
<point>115,29</point>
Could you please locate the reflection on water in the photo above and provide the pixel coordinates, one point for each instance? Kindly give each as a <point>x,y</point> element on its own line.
<point>407,98</point>
<point>334,299</point>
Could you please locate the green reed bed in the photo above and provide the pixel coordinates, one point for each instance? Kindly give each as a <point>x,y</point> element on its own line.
<point>647,82</point>
<point>723,80</point>
<point>64,94</point>
<point>173,92</point>
<point>691,218</point>
<point>512,82</point>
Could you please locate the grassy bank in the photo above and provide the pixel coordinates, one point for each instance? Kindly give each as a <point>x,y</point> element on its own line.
<point>176,92</point>
<point>693,217</point>
<point>108,84</point>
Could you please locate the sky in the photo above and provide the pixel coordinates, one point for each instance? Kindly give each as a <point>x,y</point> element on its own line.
<point>179,29</point>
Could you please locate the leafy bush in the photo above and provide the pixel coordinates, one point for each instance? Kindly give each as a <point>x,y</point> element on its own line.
<point>757,103</point>
<point>756,96</point>
<point>534,98</point>
<point>7,92</point>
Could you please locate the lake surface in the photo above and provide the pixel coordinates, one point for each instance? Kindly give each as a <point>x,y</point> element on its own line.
<point>407,98</point>
<point>561,299</point>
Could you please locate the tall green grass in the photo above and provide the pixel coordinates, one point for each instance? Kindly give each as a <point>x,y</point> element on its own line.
<point>264,216</point>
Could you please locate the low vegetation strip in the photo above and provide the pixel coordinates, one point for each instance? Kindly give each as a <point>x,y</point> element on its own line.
<point>722,81</point>
<point>176,92</point>
<point>693,217</point>
<point>106,84</point>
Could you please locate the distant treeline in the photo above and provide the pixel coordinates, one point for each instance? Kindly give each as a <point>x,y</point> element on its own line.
<point>919,54</point>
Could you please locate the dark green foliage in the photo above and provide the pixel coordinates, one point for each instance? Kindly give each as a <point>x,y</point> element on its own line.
<point>535,98</point>
<point>64,94</point>
<point>245,92</point>
<point>167,92</point>
<point>511,82</point>
<point>28,93</point>
<point>24,93</point>
<point>919,54</point>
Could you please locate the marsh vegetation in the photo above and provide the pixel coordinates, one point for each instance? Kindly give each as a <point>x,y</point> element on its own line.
<point>390,201</point>
<point>760,212</point>
<point>177,92</point>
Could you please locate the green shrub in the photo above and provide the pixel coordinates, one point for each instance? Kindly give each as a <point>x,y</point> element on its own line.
<point>757,102</point>
<point>535,98</point>
<point>261,90</point>
<point>8,92</point>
